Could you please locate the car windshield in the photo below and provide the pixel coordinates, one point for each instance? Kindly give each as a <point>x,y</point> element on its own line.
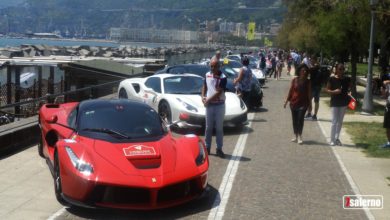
<point>118,122</point>
<point>233,64</point>
<point>183,85</point>
<point>229,72</point>
<point>199,70</point>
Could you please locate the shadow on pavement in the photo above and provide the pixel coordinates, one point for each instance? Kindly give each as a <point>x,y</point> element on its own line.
<point>237,130</point>
<point>326,120</point>
<point>202,204</point>
<point>231,157</point>
<point>259,110</point>
<point>14,150</point>
<point>311,142</point>
<point>258,120</point>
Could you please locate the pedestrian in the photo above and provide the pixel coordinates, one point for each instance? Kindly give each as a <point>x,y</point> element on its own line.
<point>306,60</point>
<point>262,63</point>
<point>279,65</point>
<point>289,63</point>
<point>217,55</point>
<point>299,96</point>
<point>273,66</point>
<point>339,87</point>
<point>386,95</point>
<point>244,81</point>
<point>316,79</point>
<point>213,97</point>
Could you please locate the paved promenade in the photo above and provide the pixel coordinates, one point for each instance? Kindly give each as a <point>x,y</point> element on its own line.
<point>265,176</point>
<point>367,174</point>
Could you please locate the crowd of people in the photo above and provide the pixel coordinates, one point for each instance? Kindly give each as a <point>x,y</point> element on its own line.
<point>305,88</point>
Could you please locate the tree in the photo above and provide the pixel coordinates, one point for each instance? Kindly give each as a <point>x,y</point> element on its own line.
<point>337,29</point>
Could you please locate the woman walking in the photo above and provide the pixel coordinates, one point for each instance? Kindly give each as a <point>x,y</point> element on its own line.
<point>299,96</point>
<point>338,87</point>
<point>244,81</point>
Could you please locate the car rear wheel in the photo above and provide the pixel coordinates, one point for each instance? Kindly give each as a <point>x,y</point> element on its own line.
<point>122,94</point>
<point>57,181</point>
<point>165,112</point>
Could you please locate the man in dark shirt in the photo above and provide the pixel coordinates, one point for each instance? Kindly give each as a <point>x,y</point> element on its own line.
<point>316,80</point>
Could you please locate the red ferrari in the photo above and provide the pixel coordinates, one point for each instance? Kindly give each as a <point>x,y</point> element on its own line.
<point>119,154</point>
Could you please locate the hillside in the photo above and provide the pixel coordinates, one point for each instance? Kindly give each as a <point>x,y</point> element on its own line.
<point>95,17</point>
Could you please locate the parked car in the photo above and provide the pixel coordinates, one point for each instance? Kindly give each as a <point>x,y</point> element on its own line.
<point>256,94</point>
<point>119,154</point>
<point>236,65</point>
<point>177,97</point>
<point>228,70</point>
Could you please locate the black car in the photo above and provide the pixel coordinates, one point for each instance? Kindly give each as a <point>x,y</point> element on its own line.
<point>231,74</point>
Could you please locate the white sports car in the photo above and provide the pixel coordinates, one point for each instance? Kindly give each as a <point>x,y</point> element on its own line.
<point>177,97</point>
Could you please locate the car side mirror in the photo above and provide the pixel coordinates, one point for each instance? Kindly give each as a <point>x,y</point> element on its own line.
<point>52,119</point>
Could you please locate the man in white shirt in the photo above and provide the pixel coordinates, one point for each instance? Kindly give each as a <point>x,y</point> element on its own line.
<point>213,97</point>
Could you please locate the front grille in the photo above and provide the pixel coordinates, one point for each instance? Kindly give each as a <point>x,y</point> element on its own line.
<point>178,191</point>
<point>142,196</point>
<point>239,119</point>
<point>195,120</point>
<point>120,195</point>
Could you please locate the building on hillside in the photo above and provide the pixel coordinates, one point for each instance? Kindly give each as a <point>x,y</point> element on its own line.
<point>154,35</point>
<point>274,29</point>
<point>240,30</point>
<point>227,27</point>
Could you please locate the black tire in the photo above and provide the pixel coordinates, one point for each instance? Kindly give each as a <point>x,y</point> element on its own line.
<point>123,94</point>
<point>40,143</point>
<point>164,110</point>
<point>40,147</point>
<point>57,181</point>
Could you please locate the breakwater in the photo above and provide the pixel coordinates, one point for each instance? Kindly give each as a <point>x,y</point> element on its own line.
<point>99,51</point>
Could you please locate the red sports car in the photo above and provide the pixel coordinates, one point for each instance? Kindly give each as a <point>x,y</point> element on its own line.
<point>119,154</point>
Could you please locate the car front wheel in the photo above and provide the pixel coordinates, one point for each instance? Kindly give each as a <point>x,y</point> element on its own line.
<point>57,181</point>
<point>165,112</point>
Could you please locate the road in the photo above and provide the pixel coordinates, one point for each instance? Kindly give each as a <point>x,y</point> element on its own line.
<point>264,176</point>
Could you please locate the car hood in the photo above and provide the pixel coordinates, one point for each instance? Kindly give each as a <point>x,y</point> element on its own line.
<point>139,159</point>
<point>232,103</point>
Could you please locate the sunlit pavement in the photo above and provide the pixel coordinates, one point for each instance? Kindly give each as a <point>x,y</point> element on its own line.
<point>275,178</point>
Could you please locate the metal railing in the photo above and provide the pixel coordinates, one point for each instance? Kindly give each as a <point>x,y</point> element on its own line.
<point>31,106</point>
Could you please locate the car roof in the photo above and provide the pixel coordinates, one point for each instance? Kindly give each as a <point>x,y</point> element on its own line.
<point>166,75</point>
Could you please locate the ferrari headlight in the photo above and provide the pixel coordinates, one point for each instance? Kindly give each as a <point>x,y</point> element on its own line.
<point>242,104</point>
<point>201,158</point>
<point>82,166</point>
<point>187,106</point>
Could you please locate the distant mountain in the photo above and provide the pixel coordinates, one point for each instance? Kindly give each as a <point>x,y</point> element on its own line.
<point>95,17</point>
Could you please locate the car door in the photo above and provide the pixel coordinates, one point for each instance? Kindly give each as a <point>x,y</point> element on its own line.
<point>153,85</point>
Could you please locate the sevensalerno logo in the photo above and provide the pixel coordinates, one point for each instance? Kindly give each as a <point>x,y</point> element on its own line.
<point>363,201</point>
<point>139,150</point>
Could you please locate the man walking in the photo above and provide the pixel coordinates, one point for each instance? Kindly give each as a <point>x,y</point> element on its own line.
<point>316,79</point>
<point>213,97</point>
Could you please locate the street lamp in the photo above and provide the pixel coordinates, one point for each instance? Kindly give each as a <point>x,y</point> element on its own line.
<point>367,102</point>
